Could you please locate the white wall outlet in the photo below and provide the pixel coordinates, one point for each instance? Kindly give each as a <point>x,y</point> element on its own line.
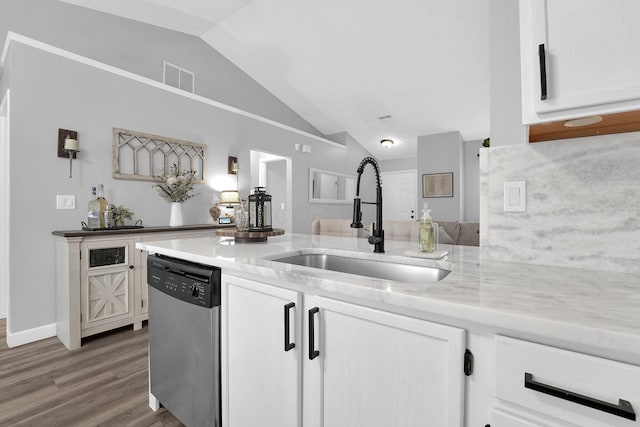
<point>515,196</point>
<point>67,201</point>
<point>297,147</point>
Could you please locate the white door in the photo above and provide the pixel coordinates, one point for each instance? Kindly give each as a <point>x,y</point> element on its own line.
<point>399,196</point>
<point>377,369</point>
<point>263,386</point>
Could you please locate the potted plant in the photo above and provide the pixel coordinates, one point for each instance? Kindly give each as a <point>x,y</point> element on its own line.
<point>120,213</point>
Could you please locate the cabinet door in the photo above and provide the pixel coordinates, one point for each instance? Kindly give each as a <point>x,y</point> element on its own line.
<point>107,283</point>
<point>263,380</point>
<point>375,368</point>
<point>590,56</point>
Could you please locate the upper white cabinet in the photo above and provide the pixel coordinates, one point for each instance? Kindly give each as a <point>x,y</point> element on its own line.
<point>578,58</point>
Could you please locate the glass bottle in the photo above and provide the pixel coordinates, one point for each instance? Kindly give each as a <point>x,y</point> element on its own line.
<point>241,215</point>
<point>427,233</point>
<point>93,215</point>
<point>103,204</point>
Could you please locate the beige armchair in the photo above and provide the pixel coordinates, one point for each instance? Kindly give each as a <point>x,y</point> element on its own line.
<point>338,227</point>
<point>450,232</point>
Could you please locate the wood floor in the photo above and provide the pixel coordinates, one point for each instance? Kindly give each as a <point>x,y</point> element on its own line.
<point>104,383</point>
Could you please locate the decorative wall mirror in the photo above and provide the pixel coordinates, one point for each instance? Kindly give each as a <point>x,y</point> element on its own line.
<point>331,187</point>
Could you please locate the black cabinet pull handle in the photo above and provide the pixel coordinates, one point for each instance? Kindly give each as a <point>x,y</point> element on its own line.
<point>543,71</point>
<point>288,345</point>
<point>622,409</point>
<point>313,353</point>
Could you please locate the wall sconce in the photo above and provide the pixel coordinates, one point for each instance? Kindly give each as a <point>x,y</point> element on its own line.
<point>68,145</point>
<point>232,165</point>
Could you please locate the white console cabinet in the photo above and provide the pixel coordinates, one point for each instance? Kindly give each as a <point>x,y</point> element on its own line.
<point>584,52</point>
<point>335,364</point>
<point>101,279</point>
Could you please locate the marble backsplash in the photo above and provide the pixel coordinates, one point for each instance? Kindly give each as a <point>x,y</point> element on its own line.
<point>582,203</point>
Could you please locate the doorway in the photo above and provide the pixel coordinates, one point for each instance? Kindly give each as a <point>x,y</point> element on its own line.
<point>4,208</point>
<point>399,189</point>
<point>274,172</point>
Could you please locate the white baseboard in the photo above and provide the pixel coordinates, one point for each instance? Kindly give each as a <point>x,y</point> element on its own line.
<point>30,335</point>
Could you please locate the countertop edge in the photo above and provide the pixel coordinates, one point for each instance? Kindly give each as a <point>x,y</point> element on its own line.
<point>153,229</point>
<point>501,320</point>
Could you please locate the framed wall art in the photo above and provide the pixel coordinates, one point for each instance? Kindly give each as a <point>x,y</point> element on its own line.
<point>437,185</point>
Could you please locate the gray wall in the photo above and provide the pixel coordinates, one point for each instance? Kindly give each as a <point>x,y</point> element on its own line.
<point>72,95</point>
<point>471,164</point>
<point>277,186</point>
<point>506,99</point>
<point>441,153</point>
<point>142,48</point>
<point>393,165</point>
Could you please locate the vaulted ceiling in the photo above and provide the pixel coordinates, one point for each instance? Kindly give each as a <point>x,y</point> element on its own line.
<point>374,69</point>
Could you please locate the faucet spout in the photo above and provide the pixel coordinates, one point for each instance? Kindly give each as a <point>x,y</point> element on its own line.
<point>377,235</point>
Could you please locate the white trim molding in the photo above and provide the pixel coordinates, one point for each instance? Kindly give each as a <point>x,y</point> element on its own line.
<point>5,229</point>
<point>30,335</point>
<point>18,38</point>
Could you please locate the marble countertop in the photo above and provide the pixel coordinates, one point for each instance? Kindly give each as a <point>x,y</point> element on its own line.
<point>590,308</point>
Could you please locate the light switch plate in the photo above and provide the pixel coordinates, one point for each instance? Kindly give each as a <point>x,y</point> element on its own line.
<point>67,201</point>
<point>515,196</point>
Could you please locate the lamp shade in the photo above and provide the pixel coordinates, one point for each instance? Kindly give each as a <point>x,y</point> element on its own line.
<point>230,197</point>
<point>71,144</point>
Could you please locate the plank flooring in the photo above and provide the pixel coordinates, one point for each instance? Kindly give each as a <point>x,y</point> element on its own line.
<point>104,383</point>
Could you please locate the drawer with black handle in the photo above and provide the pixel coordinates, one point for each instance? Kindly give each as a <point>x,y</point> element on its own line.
<point>573,387</point>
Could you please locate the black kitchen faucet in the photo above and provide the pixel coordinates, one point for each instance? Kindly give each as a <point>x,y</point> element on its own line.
<point>377,236</point>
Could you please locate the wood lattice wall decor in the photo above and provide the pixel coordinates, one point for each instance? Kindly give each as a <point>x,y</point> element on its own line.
<point>142,156</point>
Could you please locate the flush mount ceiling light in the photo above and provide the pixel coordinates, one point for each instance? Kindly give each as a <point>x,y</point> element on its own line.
<point>386,143</point>
<point>583,121</point>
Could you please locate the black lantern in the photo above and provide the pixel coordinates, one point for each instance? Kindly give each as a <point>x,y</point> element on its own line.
<point>260,210</point>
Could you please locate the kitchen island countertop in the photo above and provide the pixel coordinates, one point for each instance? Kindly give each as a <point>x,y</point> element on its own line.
<point>585,308</point>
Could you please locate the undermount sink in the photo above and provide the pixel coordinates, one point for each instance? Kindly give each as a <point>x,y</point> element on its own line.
<point>377,268</point>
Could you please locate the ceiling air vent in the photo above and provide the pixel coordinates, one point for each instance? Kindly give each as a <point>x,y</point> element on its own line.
<point>178,77</point>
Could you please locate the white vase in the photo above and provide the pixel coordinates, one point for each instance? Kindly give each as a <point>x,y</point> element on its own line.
<point>176,214</point>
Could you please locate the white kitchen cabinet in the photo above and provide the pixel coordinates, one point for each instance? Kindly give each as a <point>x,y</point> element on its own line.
<point>547,386</point>
<point>374,368</point>
<point>591,61</point>
<point>262,376</point>
<point>351,365</point>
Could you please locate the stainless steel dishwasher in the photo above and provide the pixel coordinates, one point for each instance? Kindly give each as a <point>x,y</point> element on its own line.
<point>184,339</point>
